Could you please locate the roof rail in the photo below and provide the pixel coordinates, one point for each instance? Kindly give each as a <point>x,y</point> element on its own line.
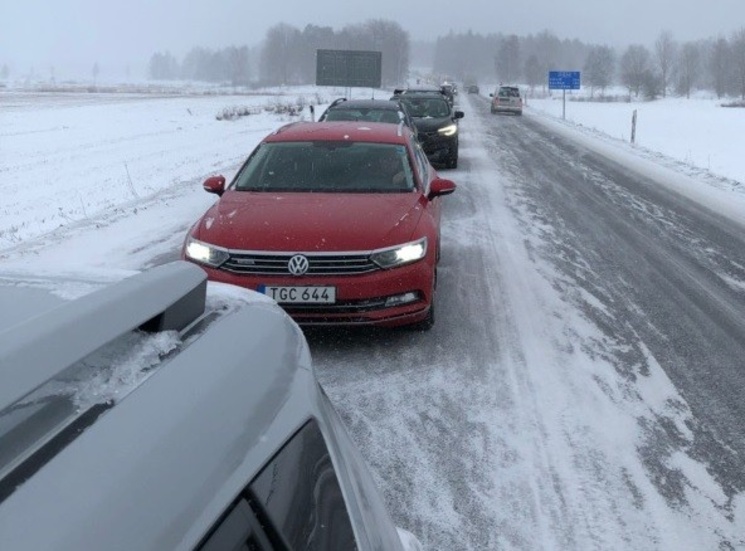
<point>165,298</point>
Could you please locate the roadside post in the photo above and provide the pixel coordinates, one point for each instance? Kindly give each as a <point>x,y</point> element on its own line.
<point>633,127</point>
<point>563,80</point>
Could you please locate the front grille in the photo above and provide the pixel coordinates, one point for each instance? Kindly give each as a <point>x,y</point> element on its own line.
<point>320,264</point>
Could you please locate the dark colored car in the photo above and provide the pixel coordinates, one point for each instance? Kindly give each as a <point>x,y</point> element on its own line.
<point>472,89</point>
<point>167,412</point>
<point>449,91</point>
<point>437,123</point>
<point>418,89</point>
<point>507,99</point>
<point>372,110</point>
<point>339,222</point>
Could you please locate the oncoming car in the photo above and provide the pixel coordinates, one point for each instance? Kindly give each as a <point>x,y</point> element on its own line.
<point>507,99</point>
<point>339,222</point>
<point>437,123</point>
<point>166,412</point>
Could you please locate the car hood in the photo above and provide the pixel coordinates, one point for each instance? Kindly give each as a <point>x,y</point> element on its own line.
<point>431,124</point>
<point>306,222</point>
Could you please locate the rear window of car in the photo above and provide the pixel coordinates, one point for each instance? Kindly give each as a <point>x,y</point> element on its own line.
<point>327,166</point>
<point>295,502</point>
<point>509,93</point>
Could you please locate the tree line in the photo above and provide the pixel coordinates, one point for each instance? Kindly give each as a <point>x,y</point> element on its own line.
<point>716,64</point>
<point>287,55</point>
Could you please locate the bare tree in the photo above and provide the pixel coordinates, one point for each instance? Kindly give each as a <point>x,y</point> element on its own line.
<point>280,48</point>
<point>634,66</point>
<point>288,55</point>
<point>665,49</point>
<point>238,61</point>
<point>314,38</point>
<point>720,65</point>
<point>508,59</point>
<point>738,60</point>
<point>163,66</point>
<point>95,71</point>
<point>599,68</point>
<point>389,38</point>
<point>466,54</point>
<point>688,67</point>
<point>534,73</point>
<point>548,48</point>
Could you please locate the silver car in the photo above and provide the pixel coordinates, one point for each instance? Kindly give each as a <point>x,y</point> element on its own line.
<point>507,99</point>
<point>160,412</point>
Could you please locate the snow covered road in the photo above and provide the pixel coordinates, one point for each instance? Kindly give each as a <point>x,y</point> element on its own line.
<point>582,386</point>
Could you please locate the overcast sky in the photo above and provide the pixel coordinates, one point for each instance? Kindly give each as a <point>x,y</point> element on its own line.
<point>78,33</point>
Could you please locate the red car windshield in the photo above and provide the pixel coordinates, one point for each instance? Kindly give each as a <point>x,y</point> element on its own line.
<point>325,166</point>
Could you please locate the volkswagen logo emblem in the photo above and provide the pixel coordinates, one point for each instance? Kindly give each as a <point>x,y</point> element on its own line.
<point>298,265</point>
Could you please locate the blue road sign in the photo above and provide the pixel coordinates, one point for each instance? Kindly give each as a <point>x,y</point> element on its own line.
<point>563,80</point>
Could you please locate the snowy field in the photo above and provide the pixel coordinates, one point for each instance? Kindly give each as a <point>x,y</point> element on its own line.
<point>68,158</point>
<point>109,183</point>
<point>701,135</point>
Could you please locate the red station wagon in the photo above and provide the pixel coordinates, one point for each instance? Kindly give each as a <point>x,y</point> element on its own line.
<point>339,222</point>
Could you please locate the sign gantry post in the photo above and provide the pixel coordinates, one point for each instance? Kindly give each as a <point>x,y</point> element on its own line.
<point>563,80</point>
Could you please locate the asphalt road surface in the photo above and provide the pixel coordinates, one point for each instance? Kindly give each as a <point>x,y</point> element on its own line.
<point>583,385</point>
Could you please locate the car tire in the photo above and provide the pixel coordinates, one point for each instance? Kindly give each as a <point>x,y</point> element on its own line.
<point>452,160</point>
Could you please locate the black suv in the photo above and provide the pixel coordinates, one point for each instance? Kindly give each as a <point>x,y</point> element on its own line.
<point>436,122</point>
<point>371,110</point>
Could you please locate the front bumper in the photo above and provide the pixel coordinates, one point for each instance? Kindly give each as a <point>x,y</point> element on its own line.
<point>360,299</point>
<point>506,108</point>
<point>438,148</point>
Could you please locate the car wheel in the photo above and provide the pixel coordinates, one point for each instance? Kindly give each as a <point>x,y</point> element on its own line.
<point>452,159</point>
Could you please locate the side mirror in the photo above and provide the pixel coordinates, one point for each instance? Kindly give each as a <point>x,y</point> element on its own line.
<point>439,187</point>
<point>214,184</point>
<point>459,115</point>
<point>491,95</point>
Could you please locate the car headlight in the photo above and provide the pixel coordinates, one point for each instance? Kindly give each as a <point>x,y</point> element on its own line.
<point>400,255</point>
<point>205,253</point>
<point>448,130</point>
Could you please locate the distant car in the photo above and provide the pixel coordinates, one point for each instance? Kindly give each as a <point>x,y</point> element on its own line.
<point>449,91</point>
<point>437,123</point>
<point>372,110</point>
<point>472,89</point>
<point>507,99</point>
<point>339,222</point>
<point>163,412</point>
